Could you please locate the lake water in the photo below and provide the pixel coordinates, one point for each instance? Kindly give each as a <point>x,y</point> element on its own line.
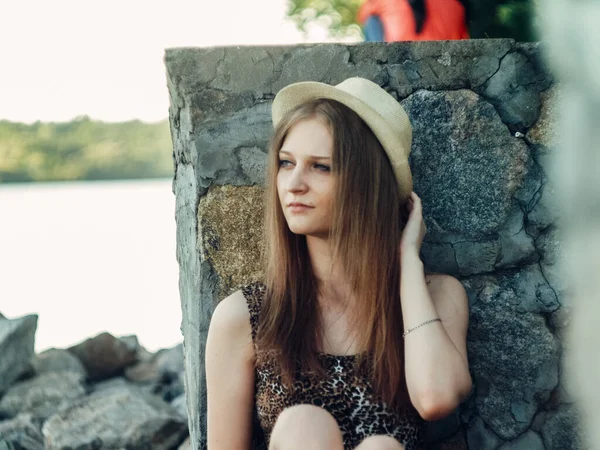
<point>89,257</point>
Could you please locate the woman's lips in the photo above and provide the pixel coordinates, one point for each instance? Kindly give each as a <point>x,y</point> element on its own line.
<point>298,207</point>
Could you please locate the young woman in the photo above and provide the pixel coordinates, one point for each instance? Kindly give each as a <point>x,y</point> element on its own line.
<point>414,20</point>
<point>346,343</point>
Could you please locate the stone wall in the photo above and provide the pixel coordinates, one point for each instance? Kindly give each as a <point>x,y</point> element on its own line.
<point>483,115</point>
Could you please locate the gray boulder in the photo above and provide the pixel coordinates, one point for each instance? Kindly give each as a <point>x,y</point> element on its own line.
<point>57,360</point>
<point>22,433</point>
<point>515,90</point>
<point>125,417</point>
<point>517,248</point>
<point>155,367</point>
<point>481,437</point>
<point>43,395</point>
<point>527,441</point>
<point>112,384</point>
<point>513,354</point>
<point>180,405</point>
<point>476,164</point>
<point>171,360</point>
<point>440,65</point>
<point>17,340</point>
<point>161,373</point>
<point>104,355</point>
<point>563,429</point>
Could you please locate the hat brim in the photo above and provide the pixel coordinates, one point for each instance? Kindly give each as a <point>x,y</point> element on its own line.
<point>292,96</point>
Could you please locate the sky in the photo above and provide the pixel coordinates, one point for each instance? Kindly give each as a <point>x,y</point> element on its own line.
<point>61,59</point>
<point>65,58</point>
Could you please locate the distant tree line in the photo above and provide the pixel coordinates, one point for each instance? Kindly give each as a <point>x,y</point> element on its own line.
<point>84,149</point>
<point>514,19</point>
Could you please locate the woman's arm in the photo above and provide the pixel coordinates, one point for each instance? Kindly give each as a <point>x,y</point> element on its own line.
<point>436,366</point>
<point>435,355</point>
<point>230,375</point>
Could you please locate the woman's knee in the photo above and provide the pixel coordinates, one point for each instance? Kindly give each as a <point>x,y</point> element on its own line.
<point>380,442</point>
<point>301,425</point>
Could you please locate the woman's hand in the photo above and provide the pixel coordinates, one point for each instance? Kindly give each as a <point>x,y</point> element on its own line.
<point>415,229</point>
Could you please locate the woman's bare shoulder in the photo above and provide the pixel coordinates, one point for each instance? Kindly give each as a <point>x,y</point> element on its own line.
<point>231,317</point>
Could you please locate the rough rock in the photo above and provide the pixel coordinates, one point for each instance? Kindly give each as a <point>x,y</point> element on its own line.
<point>196,313</point>
<point>43,395</point>
<point>546,211</point>
<point>513,354</point>
<point>165,362</point>
<point>17,340</point>
<point>222,213</point>
<point>232,75</point>
<point>21,433</point>
<point>481,437</point>
<point>124,417</point>
<point>439,258</point>
<point>476,257</point>
<point>104,355</point>
<point>515,88</point>
<point>475,162</point>
<point>133,344</point>
<point>563,430</point>
<point>531,290</point>
<point>219,147</point>
<point>57,360</point>
<point>527,441</point>
<point>320,62</point>
<point>116,383</point>
<point>550,247</point>
<point>441,65</point>
<point>162,373</point>
<point>545,130</point>
<point>517,248</point>
<point>180,405</point>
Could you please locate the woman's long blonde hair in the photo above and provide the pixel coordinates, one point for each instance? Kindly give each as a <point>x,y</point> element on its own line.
<point>364,236</point>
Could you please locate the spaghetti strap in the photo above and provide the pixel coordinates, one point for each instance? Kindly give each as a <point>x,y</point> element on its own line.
<point>254,293</point>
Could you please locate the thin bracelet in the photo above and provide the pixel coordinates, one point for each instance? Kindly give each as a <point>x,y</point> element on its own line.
<point>420,325</point>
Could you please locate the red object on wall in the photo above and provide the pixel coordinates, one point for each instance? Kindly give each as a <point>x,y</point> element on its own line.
<point>445,20</point>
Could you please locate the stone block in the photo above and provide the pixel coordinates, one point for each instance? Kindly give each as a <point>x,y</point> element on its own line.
<point>545,130</point>
<point>515,355</point>
<point>17,339</point>
<point>487,196</point>
<point>230,232</point>
<point>104,355</point>
<point>475,162</point>
<point>43,395</point>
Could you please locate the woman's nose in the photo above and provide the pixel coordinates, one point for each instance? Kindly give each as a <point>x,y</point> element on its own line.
<point>297,181</point>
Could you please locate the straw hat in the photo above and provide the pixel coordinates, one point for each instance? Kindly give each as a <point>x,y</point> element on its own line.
<point>380,111</point>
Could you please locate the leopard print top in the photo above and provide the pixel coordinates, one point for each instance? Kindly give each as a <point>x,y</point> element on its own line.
<point>345,393</point>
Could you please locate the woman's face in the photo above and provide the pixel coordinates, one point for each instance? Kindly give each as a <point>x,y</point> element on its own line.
<point>305,183</point>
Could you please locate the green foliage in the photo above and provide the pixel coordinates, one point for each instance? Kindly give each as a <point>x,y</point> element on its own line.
<point>84,149</point>
<point>488,18</point>
<point>337,15</point>
<point>514,19</point>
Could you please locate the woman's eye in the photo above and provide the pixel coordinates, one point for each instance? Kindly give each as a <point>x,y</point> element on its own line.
<point>284,162</point>
<point>323,167</point>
